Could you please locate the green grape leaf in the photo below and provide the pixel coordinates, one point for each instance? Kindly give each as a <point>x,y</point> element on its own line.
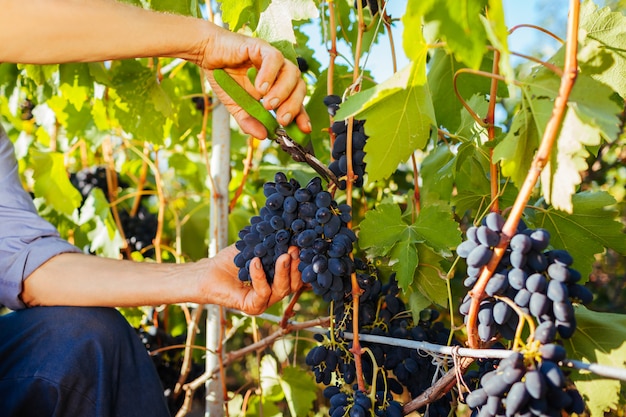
<point>383,232</point>
<point>599,338</point>
<point>269,378</point>
<point>381,228</point>
<point>52,182</point>
<point>497,33</point>
<point>515,152</point>
<point>413,42</point>
<point>238,13</point>
<point>399,115</point>
<point>437,176</point>
<point>275,23</point>
<point>141,104</point>
<point>76,84</point>
<point>429,278</point>
<point>436,227</point>
<point>587,231</point>
<point>561,175</point>
<point>459,25</point>
<point>605,30</point>
<point>403,259</point>
<point>300,390</point>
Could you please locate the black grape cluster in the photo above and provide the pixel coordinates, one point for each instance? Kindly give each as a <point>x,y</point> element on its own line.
<point>539,280</point>
<point>140,230</point>
<point>359,404</point>
<point>306,217</point>
<point>87,179</point>
<point>525,387</point>
<point>383,313</point>
<point>339,165</point>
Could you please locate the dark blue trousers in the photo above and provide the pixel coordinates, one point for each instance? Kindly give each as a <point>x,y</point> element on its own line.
<point>74,362</point>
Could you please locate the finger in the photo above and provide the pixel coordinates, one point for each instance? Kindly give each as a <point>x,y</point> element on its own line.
<point>251,126</point>
<point>260,298</point>
<point>281,285</point>
<point>292,106</point>
<point>296,275</point>
<point>284,86</point>
<point>267,59</point>
<point>303,121</point>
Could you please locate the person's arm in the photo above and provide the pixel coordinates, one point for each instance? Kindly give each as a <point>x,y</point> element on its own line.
<point>85,280</point>
<point>60,31</point>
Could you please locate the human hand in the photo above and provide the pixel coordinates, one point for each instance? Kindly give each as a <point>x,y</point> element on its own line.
<point>278,80</point>
<point>219,283</point>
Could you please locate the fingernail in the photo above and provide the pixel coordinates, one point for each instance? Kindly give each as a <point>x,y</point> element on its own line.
<point>274,102</point>
<point>294,254</point>
<point>264,87</point>
<point>286,118</point>
<point>308,123</point>
<point>257,264</point>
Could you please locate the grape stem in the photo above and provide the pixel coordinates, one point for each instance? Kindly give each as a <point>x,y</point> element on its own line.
<point>541,158</point>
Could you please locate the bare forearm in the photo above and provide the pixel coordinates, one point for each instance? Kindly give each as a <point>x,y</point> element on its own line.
<point>84,280</point>
<point>57,31</point>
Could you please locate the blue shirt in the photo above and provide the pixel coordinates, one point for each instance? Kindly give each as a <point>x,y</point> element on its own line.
<point>26,240</point>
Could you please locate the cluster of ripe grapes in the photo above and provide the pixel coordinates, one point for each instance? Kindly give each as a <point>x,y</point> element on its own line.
<point>306,217</point>
<point>359,404</point>
<point>140,229</point>
<point>339,165</point>
<point>525,386</point>
<point>392,369</point>
<point>540,281</point>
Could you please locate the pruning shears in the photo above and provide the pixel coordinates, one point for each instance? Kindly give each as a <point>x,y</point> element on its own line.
<point>275,131</point>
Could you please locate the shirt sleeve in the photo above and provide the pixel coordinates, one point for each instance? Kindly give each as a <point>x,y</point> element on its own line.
<point>26,239</point>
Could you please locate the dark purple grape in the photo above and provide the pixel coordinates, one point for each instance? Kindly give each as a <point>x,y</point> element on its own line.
<point>275,201</point>
<point>557,291</point>
<point>539,304</point>
<point>559,272</point>
<point>306,238</point>
<point>545,332</point>
<point>516,399</point>
<point>494,221</point>
<point>476,398</point>
<point>522,298</point>
<point>536,283</point>
<point>479,256</point>
<point>495,386</point>
<point>497,284</point>
<point>501,312</point>
<point>540,239</point>
<point>552,373</point>
<point>521,243</point>
<point>552,352</point>
<point>561,257</point>
<point>517,259</point>
<point>563,311</point>
<point>323,199</point>
<point>517,278</point>
<point>464,249</point>
<point>535,384</point>
<point>580,293</point>
<point>487,237</point>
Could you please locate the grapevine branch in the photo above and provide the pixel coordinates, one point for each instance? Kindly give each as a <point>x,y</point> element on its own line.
<point>540,160</point>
